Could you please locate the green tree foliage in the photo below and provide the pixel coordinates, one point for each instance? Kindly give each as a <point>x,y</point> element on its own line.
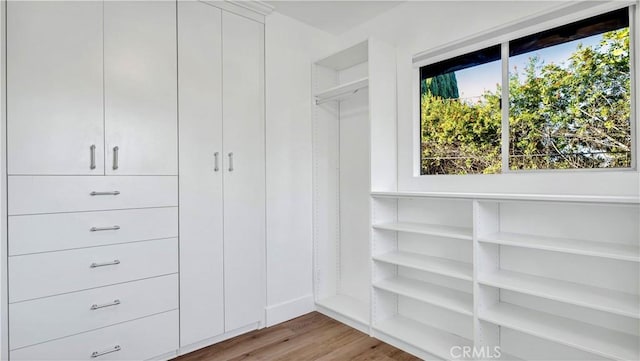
<point>573,115</point>
<point>444,85</point>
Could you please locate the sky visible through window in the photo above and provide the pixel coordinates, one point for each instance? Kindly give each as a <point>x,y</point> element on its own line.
<point>474,81</point>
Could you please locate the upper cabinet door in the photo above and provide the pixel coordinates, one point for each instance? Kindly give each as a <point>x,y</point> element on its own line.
<point>54,88</point>
<point>244,170</point>
<point>140,88</point>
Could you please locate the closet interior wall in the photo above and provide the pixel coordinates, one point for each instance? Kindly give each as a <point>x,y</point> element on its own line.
<point>354,113</point>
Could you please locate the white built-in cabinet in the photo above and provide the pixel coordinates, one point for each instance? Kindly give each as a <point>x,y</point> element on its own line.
<point>114,251</point>
<point>222,172</point>
<point>517,277</point>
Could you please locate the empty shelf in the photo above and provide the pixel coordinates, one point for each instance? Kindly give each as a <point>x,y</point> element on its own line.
<point>580,335</point>
<point>347,307</point>
<point>427,338</point>
<point>440,296</point>
<point>574,293</point>
<point>429,229</point>
<point>442,266</point>
<point>342,90</point>
<point>574,246</point>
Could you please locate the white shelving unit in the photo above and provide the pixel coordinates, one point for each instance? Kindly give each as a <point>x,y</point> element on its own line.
<point>354,99</point>
<point>562,273</point>
<point>422,297</point>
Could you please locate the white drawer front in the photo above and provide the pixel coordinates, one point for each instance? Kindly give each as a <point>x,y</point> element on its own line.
<point>140,339</point>
<point>46,274</point>
<point>54,194</point>
<point>51,232</point>
<point>77,312</point>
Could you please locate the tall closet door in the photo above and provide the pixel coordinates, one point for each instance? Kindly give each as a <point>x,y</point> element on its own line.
<point>200,96</point>
<point>54,88</point>
<point>140,87</point>
<point>244,176</point>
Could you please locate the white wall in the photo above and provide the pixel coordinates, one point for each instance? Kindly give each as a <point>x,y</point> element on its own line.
<point>414,27</point>
<point>291,47</point>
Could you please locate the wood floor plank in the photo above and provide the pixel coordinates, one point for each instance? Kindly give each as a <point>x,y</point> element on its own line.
<point>311,337</point>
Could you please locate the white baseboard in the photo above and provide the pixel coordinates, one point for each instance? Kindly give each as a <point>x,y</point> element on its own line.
<point>288,310</point>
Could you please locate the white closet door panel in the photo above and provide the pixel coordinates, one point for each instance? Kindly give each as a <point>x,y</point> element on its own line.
<point>61,231</point>
<point>74,312</point>
<point>141,339</point>
<point>140,87</point>
<point>244,185</point>
<point>54,87</point>
<point>201,245</point>
<point>32,194</point>
<point>52,273</point>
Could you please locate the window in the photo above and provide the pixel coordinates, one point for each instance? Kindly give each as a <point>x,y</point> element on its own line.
<point>460,114</point>
<point>569,99</point>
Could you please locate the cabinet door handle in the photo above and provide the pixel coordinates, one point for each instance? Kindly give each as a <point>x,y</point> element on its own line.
<point>114,193</point>
<point>92,150</point>
<point>97,229</point>
<point>104,305</point>
<point>231,162</point>
<point>115,157</point>
<point>215,162</point>
<point>115,348</point>
<point>96,265</point>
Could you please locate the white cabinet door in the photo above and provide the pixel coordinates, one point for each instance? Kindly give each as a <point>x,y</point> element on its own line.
<point>244,170</point>
<point>140,78</point>
<point>54,87</point>
<point>201,247</point>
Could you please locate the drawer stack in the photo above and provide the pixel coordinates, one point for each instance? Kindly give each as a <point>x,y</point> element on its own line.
<point>93,267</point>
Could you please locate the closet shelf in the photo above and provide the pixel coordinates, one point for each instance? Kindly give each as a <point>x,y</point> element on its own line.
<point>579,335</point>
<point>428,229</point>
<point>432,340</point>
<point>577,294</point>
<point>347,307</point>
<point>341,91</point>
<point>440,296</point>
<point>442,266</point>
<point>513,197</point>
<point>565,245</point>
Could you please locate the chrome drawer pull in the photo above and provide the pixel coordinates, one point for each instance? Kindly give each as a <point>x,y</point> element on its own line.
<point>97,229</point>
<point>93,156</point>
<point>231,162</point>
<point>97,307</point>
<point>115,348</point>
<point>96,265</point>
<point>115,157</point>
<point>114,193</point>
<point>215,166</point>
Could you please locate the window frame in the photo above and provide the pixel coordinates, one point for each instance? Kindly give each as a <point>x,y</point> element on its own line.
<point>502,36</point>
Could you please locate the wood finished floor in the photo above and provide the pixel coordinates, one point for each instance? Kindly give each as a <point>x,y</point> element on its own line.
<point>309,337</point>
